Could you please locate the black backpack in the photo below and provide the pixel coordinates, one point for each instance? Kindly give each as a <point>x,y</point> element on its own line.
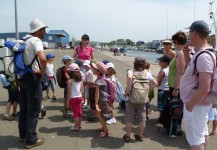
<point>172,110</point>
<point>45,82</point>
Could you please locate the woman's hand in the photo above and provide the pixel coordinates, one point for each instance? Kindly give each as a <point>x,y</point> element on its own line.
<point>175,93</point>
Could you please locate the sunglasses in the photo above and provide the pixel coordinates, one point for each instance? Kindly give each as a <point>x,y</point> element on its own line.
<point>166,43</point>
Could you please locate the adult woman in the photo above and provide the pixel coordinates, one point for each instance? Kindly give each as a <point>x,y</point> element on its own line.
<point>177,68</point>
<point>84,51</point>
<point>177,64</point>
<point>168,51</point>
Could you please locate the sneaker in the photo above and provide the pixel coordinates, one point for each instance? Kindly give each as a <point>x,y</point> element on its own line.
<point>38,142</point>
<point>15,114</point>
<point>111,121</point>
<point>8,117</point>
<point>43,112</point>
<point>74,128</point>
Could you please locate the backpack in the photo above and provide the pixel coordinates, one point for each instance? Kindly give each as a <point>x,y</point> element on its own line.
<point>139,88</point>
<point>172,110</point>
<point>60,77</point>
<point>14,65</point>
<point>120,92</point>
<point>45,82</point>
<point>4,81</point>
<point>212,96</point>
<point>111,89</point>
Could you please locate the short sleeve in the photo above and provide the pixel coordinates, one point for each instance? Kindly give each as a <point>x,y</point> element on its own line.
<point>38,46</point>
<point>205,63</point>
<point>129,72</point>
<point>149,76</point>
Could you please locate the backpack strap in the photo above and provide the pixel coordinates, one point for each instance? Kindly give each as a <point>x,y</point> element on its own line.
<point>208,51</point>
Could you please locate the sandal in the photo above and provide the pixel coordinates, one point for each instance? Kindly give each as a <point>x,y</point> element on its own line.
<point>138,138</point>
<point>213,133</point>
<point>101,130</point>
<point>126,138</point>
<point>74,128</point>
<point>103,134</point>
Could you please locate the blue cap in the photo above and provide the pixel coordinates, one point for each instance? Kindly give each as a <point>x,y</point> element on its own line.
<point>200,26</point>
<point>50,56</point>
<point>105,61</point>
<point>79,62</point>
<point>66,57</point>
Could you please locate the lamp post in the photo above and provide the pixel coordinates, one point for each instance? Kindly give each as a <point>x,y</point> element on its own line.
<point>16,24</point>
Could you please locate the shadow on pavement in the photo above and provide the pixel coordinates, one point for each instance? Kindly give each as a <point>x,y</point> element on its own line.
<point>8,142</point>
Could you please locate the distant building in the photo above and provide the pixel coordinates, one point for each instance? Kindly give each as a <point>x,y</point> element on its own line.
<point>54,38</point>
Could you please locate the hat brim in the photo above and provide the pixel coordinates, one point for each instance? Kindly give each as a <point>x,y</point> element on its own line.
<point>94,65</point>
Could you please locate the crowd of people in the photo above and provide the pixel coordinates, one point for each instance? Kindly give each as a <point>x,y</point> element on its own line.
<point>89,84</point>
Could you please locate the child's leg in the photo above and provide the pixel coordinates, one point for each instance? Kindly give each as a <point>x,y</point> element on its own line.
<point>53,85</point>
<point>74,103</point>
<point>14,107</point>
<point>8,107</point>
<point>102,121</point>
<point>214,126</point>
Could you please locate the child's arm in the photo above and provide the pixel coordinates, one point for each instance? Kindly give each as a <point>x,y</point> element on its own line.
<point>69,90</point>
<point>128,88</point>
<point>97,98</point>
<point>160,77</point>
<point>82,88</point>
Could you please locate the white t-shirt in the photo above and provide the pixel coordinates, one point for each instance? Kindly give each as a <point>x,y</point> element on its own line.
<point>33,46</point>
<point>76,89</point>
<point>49,69</point>
<point>164,83</point>
<point>148,74</point>
<point>89,76</point>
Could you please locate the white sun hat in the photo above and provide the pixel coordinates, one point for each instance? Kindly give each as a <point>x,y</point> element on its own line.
<point>36,25</point>
<point>86,63</point>
<point>108,65</point>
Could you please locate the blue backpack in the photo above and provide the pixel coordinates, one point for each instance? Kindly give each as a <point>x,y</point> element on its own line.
<point>16,69</point>
<point>120,92</point>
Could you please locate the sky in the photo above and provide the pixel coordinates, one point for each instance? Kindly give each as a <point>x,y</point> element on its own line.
<point>107,20</point>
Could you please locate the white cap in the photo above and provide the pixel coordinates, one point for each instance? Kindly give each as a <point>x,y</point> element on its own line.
<point>36,25</point>
<point>86,63</point>
<point>108,65</point>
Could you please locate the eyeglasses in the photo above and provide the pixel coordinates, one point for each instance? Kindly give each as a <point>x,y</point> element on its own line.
<point>84,39</point>
<point>166,43</point>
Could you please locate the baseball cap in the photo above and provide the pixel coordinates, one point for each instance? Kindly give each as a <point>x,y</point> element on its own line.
<point>50,56</point>
<point>79,62</point>
<point>101,67</point>
<point>105,61</point>
<point>86,63</point>
<point>66,57</point>
<point>199,26</point>
<point>36,25</point>
<point>164,59</point>
<point>108,65</point>
<point>73,67</point>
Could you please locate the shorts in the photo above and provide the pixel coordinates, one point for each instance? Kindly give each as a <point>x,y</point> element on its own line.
<point>140,109</point>
<point>92,91</point>
<point>212,115</point>
<point>52,85</point>
<point>195,124</point>
<point>13,95</point>
<point>162,99</point>
<point>105,107</point>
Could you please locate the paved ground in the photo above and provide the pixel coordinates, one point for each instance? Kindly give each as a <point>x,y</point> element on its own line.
<point>55,129</point>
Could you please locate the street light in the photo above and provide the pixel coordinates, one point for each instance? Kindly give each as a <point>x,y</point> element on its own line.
<point>16,24</point>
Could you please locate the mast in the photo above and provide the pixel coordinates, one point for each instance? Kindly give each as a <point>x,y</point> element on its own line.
<point>212,16</point>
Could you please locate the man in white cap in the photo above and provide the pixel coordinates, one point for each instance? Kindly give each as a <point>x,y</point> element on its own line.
<point>194,87</point>
<point>30,85</point>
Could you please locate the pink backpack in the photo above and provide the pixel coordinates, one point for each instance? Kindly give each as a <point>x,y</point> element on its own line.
<point>111,90</point>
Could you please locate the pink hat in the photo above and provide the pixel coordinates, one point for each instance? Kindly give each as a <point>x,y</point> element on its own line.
<point>101,67</point>
<point>73,67</point>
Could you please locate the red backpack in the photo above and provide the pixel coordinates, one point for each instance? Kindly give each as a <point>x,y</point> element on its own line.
<point>60,77</point>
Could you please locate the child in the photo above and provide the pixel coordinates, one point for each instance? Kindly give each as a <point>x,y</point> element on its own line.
<point>151,92</point>
<point>162,79</point>
<point>67,60</point>
<point>139,70</point>
<point>49,71</point>
<point>89,77</point>
<point>13,98</point>
<point>111,75</point>
<point>102,97</point>
<point>212,116</point>
<point>75,88</point>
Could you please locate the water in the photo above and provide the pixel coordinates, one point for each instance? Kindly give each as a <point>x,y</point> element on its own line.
<point>151,56</point>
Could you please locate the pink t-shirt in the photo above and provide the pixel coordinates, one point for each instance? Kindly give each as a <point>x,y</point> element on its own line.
<point>188,81</point>
<point>84,54</point>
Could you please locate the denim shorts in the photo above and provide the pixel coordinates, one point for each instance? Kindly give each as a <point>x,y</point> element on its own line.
<point>162,99</point>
